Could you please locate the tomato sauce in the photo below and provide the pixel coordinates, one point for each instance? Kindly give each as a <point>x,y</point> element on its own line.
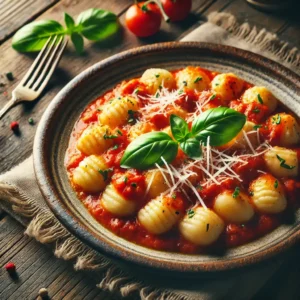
<point>132,185</point>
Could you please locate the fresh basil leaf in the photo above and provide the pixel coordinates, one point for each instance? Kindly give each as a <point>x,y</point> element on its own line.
<point>70,23</point>
<point>96,24</point>
<point>33,36</point>
<point>147,150</point>
<point>221,124</point>
<point>78,43</point>
<point>179,128</point>
<point>192,148</point>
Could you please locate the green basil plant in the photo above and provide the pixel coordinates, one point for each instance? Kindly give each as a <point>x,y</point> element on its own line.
<point>93,24</point>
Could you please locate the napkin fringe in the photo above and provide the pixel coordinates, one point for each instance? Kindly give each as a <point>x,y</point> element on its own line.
<point>263,39</point>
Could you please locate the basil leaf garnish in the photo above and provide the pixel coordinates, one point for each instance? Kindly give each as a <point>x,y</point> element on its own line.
<point>77,41</point>
<point>179,128</point>
<point>147,150</point>
<point>221,124</point>
<point>97,24</point>
<point>33,36</point>
<point>192,148</point>
<point>70,23</point>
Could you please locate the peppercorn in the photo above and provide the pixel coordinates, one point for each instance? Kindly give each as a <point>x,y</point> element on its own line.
<point>43,293</point>
<point>10,267</point>
<point>14,126</point>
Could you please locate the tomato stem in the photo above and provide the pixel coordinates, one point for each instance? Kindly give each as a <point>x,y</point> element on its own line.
<point>158,3</point>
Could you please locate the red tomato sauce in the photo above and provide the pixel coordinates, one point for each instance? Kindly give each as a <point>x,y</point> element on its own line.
<point>131,183</point>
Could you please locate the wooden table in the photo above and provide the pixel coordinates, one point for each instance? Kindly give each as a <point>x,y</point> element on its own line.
<point>36,264</point>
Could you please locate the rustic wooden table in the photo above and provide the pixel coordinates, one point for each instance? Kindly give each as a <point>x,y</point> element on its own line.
<point>36,264</point>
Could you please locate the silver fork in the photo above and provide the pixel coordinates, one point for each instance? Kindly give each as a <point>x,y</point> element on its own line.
<point>36,78</point>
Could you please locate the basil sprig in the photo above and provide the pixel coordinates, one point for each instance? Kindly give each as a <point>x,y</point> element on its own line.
<point>220,124</point>
<point>93,24</point>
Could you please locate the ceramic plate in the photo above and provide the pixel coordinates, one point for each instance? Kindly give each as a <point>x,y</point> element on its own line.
<point>55,127</point>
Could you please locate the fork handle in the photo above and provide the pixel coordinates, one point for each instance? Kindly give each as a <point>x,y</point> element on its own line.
<point>12,102</point>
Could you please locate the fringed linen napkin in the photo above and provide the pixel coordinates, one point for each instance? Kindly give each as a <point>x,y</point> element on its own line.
<point>20,196</point>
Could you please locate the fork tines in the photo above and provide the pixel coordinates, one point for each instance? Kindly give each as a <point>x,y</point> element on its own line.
<point>44,65</point>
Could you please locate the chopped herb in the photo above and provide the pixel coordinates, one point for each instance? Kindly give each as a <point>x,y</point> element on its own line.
<point>242,225</point>
<point>199,187</point>
<point>119,132</point>
<point>283,164</point>
<point>255,127</point>
<point>236,192</point>
<point>197,79</point>
<point>180,92</point>
<point>104,173</point>
<point>217,84</point>
<point>144,8</point>
<point>131,116</point>
<point>125,179</point>
<point>260,100</point>
<point>256,110</point>
<point>190,213</point>
<point>136,91</point>
<point>133,184</point>
<point>184,83</point>
<point>30,121</point>
<point>116,146</point>
<point>10,76</point>
<point>276,184</point>
<point>160,87</point>
<point>119,98</point>
<point>277,120</point>
<point>108,137</point>
<point>213,97</point>
<point>174,196</point>
<point>251,193</point>
<point>177,212</point>
<point>157,95</point>
<point>157,75</point>
<point>207,227</point>
<point>99,109</point>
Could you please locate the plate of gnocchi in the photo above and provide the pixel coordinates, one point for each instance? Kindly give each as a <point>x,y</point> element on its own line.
<point>181,157</point>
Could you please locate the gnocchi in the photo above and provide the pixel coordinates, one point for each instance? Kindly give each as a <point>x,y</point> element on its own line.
<point>116,204</point>
<point>159,216</point>
<point>192,78</point>
<point>154,79</point>
<point>261,95</point>
<point>157,183</point>
<point>203,227</point>
<point>268,194</point>
<point>228,86</point>
<point>93,141</point>
<point>88,174</point>
<point>236,209</point>
<point>118,111</point>
<point>282,162</point>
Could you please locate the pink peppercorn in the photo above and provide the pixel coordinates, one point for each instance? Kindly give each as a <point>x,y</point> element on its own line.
<point>14,126</point>
<point>10,267</point>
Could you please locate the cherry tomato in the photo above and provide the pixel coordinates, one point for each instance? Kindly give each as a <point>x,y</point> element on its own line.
<point>142,20</point>
<point>177,10</point>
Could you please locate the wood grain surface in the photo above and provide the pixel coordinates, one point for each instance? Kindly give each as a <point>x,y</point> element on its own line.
<point>36,264</point>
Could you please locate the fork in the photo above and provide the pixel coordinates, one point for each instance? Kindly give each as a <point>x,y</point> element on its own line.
<point>39,74</point>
